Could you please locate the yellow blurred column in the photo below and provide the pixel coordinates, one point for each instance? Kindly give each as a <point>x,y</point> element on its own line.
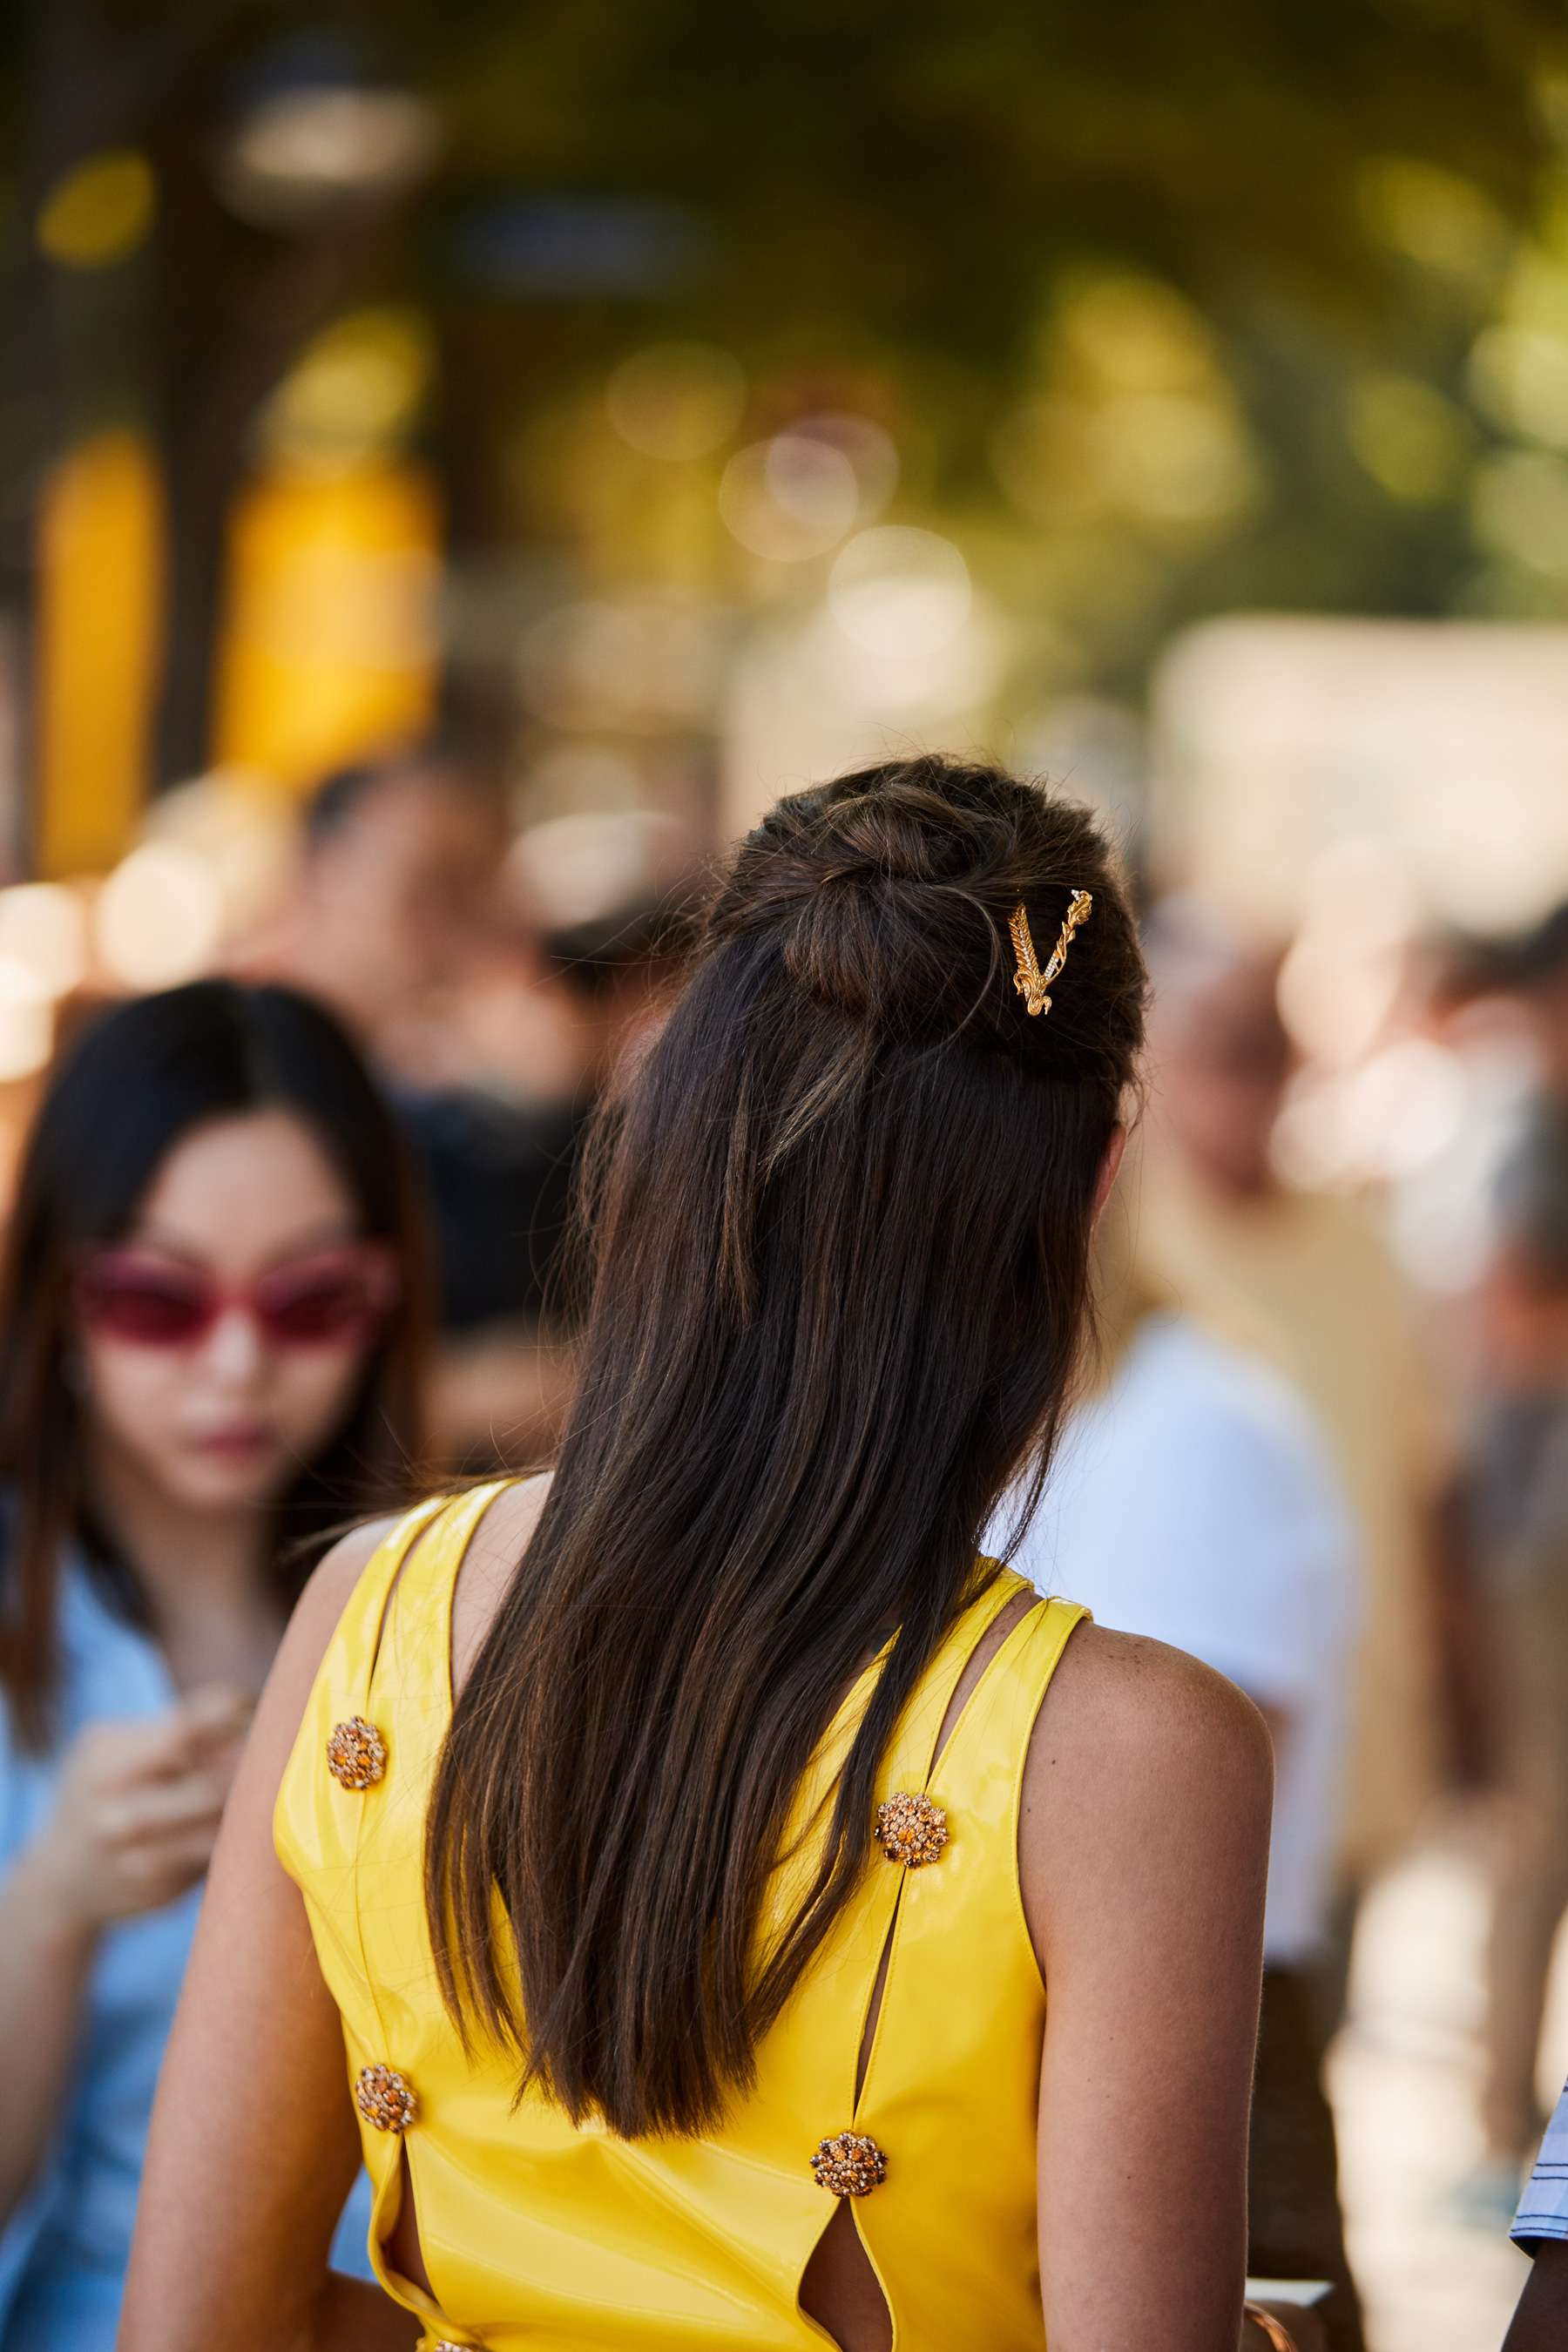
<point>329,644</point>
<point>101,605</point>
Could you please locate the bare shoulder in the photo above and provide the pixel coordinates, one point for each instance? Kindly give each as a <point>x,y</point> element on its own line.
<point>1140,1748</point>
<point>1127,1702</point>
<point>489,1563</point>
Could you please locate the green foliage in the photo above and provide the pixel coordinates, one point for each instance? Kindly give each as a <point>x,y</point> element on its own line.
<point>908,208</point>
<point>901,195</point>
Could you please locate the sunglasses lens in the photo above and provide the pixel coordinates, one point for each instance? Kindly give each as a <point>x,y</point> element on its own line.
<point>314,1310</point>
<point>150,1310</point>
<point>318,1303</point>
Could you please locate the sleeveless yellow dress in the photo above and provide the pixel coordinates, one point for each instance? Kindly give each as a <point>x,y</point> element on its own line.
<point>536,2233</point>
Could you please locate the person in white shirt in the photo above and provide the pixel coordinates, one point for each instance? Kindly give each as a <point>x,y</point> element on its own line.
<point>1191,1501</point>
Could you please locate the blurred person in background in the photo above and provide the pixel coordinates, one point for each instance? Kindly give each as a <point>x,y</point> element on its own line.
<point>1222,1225</point>
<point>211,1353</point>
<point>393,895</point>
<point>606,897</point>
<point>397,910</point>
<point>1192,1501</point>
<point>1521,1513</point>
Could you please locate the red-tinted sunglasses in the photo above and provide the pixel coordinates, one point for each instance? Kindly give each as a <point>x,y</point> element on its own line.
<point>317,1301</point>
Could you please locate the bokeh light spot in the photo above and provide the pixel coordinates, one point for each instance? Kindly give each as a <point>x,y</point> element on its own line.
<point>43,928</point>
<point>813,483</point>
<point>870,450</point>
<point>26,1020</point>
<point>305,149</point>
<point>1520,509</point>
<point>101,212</point>
<point>1140,336</point>
<point>789,498</point>
<point>898,592</point>
<point>1433,217</point>
<point>354,394</point>
<point>159,917</point>
<point>676,401</point>
<point>1412,441</point>
<point>1176,457</point>
<point>1518,375</point>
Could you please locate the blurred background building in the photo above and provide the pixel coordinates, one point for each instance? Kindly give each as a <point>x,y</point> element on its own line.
<point>555,432</point>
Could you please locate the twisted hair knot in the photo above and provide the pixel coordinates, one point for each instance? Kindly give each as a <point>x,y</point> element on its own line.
<point>889,892</point>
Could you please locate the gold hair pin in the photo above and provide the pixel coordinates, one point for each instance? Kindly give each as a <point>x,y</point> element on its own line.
<point>1029,980</point>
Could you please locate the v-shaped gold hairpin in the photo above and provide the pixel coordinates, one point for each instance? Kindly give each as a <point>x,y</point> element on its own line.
<point>1029,980</point>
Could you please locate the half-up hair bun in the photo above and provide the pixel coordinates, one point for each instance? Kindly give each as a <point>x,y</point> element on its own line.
<point>891,892</point>
<point>840,1215</point>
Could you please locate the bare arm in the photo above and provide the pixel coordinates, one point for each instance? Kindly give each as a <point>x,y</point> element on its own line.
<point>1541,2322</point>
<point>1144,1850</point>
<point>254,2142</point>
<point>254,2145</point>
<point>132,1826</point>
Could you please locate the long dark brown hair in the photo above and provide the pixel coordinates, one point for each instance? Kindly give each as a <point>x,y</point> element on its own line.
<point>840,1220</point>
<point>140,1079</point>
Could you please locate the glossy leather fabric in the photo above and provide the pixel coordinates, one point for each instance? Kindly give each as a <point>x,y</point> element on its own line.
<point>538,2233</point>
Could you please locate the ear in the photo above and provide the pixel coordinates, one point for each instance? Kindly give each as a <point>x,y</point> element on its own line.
<point>1108,1168</point>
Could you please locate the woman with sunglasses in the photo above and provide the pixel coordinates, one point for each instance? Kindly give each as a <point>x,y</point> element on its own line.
<point>682,1845</point>
<point>211,1331</point>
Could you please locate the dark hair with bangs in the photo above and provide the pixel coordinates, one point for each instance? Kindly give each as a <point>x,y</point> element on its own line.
<point>840,1221</point>
<point>140,1079</point>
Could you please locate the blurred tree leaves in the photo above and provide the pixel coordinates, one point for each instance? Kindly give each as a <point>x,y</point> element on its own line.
<point>896,204</point>
<point>906,188</point>
<point>922,170</point>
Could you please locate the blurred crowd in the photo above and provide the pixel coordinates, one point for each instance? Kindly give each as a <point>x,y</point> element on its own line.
<point>294,1242</point>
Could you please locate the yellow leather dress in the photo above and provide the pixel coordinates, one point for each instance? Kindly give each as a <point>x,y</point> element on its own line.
<point>536,2233</point>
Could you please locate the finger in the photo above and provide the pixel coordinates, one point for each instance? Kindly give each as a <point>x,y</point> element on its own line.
<point>137,1749</point>
<point>139,1891</point>
<point>187,1853</point>
<point>211,1721</point>
<point>205,1721</point>
<point>221,1710</point>
<point>215,1753</point>
<point>160,1806</point>
<point>114,1759</point>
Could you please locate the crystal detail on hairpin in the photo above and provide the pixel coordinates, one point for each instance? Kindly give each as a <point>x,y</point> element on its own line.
<point>1030,981</point>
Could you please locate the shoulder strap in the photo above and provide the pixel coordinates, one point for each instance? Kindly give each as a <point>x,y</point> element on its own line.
<point>913,1744</point>
<point>998,1722</point>
<point>418,1615</point>
<point>358,1634</point>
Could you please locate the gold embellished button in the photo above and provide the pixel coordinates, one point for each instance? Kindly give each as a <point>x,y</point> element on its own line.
<point>911,1829</point>
<point>356,1754</point>
<point>385,2099</point>
<point>848,2165</point>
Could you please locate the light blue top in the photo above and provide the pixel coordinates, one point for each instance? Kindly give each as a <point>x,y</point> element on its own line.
<point>63,2256</point>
